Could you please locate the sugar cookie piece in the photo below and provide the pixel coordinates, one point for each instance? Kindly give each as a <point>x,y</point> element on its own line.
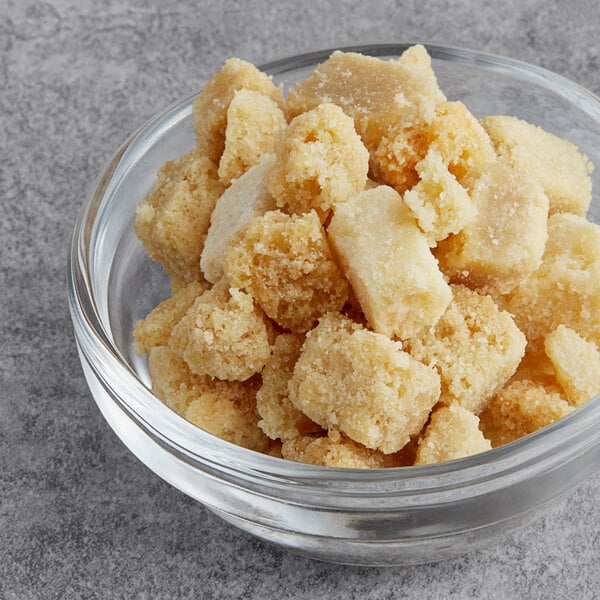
<point>521,408</point>
<point>475,347</point>
<point>245,199</point>
<point>387,260</point>
<point>557,164</point>
<point>173,220</point>
<point>223,334</point>
<point>334,450</point>
<point>156,328</point>
<point>285,263</point>
<point>279,417</point>
<point>210,108</point>
<point>453,432</point>
<point>504,243</point>
<point>254,122</point>
<point>320,161</point>
<point>440,205</point>
<point>565,289</point>
<point>577,364</point>
<point>375,93</point>
<point>363,384</point>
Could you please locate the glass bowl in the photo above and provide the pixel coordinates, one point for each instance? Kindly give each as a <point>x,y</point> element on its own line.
<point>366,517</point>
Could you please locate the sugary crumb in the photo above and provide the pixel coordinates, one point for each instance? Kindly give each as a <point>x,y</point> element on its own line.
<point>223,335</point>
<point>453,432</point>
<point>363,384</point>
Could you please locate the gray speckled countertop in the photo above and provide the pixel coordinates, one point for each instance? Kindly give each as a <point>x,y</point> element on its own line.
<point>80,517</point>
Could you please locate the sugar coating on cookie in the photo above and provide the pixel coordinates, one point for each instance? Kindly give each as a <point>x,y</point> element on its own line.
<point>565,289</point>
<point>576,362</point>
<point>475,347</point>
<point>521,408</point>
<point>245,199</point>
<point>285,263</point>
<point>386,258</point>
<point>254,122</point>
<point>210,108</point>
<point>156,328</point>
<point>452,432</point>
<point>279,418</point>
<point>440,205</point>
<point>223,335</point>
<point>173,220</point>
<point>363,384</point>
<point>556,163</point>
<point>320,161</point>
<point>505,241</point>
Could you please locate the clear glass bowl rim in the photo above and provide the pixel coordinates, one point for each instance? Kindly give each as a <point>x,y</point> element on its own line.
<point>483,472</point>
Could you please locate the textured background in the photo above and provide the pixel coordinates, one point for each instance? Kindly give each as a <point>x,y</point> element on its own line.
<point>80,517</point>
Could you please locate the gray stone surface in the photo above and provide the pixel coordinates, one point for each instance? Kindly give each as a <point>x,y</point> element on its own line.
<point>80,517</point>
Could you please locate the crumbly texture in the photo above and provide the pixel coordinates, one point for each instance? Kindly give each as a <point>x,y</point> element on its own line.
<point>156,328</point>
<point>210,108</point>
<point>387,260</point>
<point>223,335</point>
<point>440,205</point>
<point>285,263</point>
<point>475,347</point>
<point>363,384</point>
<point>254,122</point>
<point>173,220</point>
<point>505,241</point>
<point>320,161</point>
<point>557,164</point>
<point>521,408</point>
<point>453,432</point>
<point>576,362</point>
<point>565,289</point>
<point>245,199</point>
<point>374,92</point>
<point>279,418</point>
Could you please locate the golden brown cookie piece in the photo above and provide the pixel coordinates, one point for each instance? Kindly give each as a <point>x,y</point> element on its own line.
<point>387,260</point>
<point>475,347</point>
<point>173,220</point>
<point>210,108</point>
<point>223,335</point>
<point>363,384</point>
<point>320,161</point>
<point>285,263</point>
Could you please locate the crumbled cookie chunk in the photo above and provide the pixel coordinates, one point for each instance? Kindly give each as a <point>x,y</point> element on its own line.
<point>453,432</point>
<point>388,262</point>
<point>223,335</point>
<point>254,122</point>
<point>363,384</point>
<point>173,220</point>
<point>576,362</point>
<point>505,241</point>
<point>320,161</point>
<point>245,199</point>
<point>475,347</point>
<point>210,108</point>
<point>285,263</point>
<point>521,408</point>
<point>555,163</point>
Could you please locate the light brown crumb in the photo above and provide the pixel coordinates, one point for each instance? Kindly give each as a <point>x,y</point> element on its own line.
<point>320,161</point>
<point>453,432</point>
<point>173,220</point>
<point>388,262</point>
<point>521,408</point>
<point>363,384</point>
<point>475,347</point>
<point>223,335</point>
<point>285,263</point>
